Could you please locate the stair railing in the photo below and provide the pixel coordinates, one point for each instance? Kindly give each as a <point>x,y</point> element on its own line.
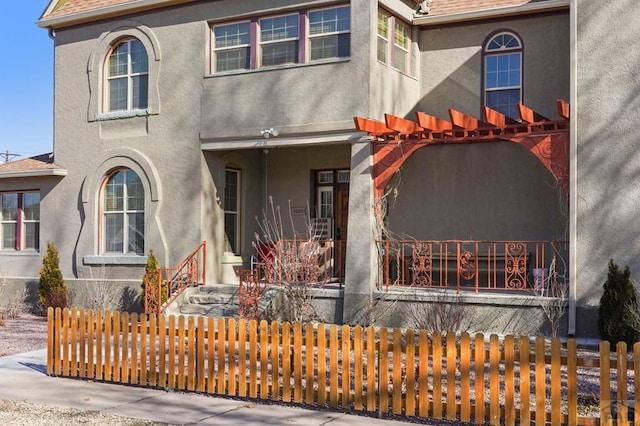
<point>164,285</point>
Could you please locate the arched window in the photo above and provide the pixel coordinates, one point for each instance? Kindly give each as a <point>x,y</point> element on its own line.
<point>123,213</point>
<point>127,82</point>
<point>503,73</point>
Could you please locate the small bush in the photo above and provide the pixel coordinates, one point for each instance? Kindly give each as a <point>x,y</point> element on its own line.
<point>52,291</point>
<point>618,308</point>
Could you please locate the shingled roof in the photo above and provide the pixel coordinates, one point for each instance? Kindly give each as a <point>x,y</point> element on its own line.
<point>68,10</point>
<point>40,165</point>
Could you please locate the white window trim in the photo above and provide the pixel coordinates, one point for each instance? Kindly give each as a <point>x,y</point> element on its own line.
<point>106,108</point>
<point>391,43</point>
<point>20,222</point>
<point>238,210</point>
<point>502,52</point>
<point>215,49</point>
<point>310,36</point>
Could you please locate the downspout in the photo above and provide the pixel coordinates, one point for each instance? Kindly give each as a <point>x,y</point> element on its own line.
<point>573,167</point>
<point>52,35</point>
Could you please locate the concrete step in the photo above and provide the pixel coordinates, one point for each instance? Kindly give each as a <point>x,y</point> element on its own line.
<point>210,301</point>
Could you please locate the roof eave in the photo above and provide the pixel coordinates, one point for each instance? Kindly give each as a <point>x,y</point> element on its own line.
<point>501,12</point>
<point>105,12</point>
<point>33,173</point>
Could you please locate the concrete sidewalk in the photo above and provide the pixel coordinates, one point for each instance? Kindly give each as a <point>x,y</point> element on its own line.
<point>23,377</point>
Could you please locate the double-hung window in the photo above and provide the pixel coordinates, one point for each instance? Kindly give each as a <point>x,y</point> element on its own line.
<point>279,38</point>
<point>329,33</point>
<point>396,53</point>
<point>127,76</point>
<point>123,213</point>
<point>294,38</point>
<point>503,74</point>
<point>20,221</point>
<point>232,45</point>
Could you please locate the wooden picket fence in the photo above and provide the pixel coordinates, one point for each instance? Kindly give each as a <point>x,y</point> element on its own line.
<point>385,371</point>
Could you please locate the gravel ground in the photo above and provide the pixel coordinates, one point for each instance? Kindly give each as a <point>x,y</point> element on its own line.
<point>29,333</point>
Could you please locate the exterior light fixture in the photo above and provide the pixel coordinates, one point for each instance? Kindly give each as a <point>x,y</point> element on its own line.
<point>267,133</point>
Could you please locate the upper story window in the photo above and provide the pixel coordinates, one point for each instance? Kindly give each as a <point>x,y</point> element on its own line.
<point>393,47</point>
<point>123,213</point>
<point>503,73</point>
<point>127,76</point>
<point>20,221</point>
<point>269,41</point>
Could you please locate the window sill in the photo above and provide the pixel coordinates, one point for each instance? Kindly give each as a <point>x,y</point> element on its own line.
<point>279,67</point>
<point>19,253</point>
<point>114,259</point>
<point>116,115</point>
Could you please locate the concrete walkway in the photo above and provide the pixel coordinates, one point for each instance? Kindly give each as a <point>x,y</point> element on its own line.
<point>23,377</point>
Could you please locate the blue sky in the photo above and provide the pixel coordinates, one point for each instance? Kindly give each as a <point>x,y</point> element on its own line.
<point>26,81</point>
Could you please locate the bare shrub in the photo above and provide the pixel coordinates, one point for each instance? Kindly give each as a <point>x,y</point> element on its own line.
<point>446,312</point>
<point>11,305</point>
<point>552,294</point>
<point>100,294</point>
<point>293,264</point>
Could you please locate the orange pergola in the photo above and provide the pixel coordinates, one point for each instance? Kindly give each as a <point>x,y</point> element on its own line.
<point>397,138</point>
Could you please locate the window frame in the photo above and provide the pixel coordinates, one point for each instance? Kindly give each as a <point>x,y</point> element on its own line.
<point>20,223</point>
<point>129,76</point>
<point>237,212</point>
<point>390,40</point>
<point>256,45</point>
<point>215,49</point>
<point>260,43</point>
<point>125,212</point>
<point>489,52</point>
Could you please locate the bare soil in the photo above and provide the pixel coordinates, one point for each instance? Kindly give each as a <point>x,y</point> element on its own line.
<point>26,333</point>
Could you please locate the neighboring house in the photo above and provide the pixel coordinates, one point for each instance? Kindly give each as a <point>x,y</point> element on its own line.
<point>177,120</point>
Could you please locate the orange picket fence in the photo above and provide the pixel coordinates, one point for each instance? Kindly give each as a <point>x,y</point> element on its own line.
<point>386,371</point>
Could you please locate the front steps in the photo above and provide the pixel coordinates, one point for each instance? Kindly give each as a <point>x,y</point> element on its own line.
<point>217,300</point>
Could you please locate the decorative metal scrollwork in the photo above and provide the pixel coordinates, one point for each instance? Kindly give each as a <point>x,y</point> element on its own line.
<point>421,264</point>
<point>515,265</point>
<point>467,265</point>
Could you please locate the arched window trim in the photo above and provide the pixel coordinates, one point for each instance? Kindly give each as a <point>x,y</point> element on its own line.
<point>126,213</point>
<point>514,51</point>
<point>130,75</point>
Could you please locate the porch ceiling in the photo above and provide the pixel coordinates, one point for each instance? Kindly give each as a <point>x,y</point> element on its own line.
<point>397,138</point>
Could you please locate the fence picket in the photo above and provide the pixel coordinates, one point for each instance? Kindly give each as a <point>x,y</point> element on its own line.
<point>322,365</point>
<point>171,352</point>
<point>309,371</point>
<point>199,355</point>
<point>51,338</point>
<point>124,318</point>
<point>90,343</point>
<point>275,362</point>
<point>74,343</point>
<point>286,362</point>
<point>221,331</point>
<point>211,359</point>
<point>65,342</point>
<point>357,367</point>
<point>541,378</point>
<point>478,362</point>
<point>135,326</point>
<point>494,380</point>
<point>605,386</point>
<point>162,351</point>
<point>144,329</point>
<point>191,340</point>
<point>153,338</point>
<point>465,379</point>
<point>556,383</point>
<point>333,365</point>
<point>346,366</point>
<point>181,352</point>
<point>99,335</point>
<point>264,360</point>
<point>423,375</point>
<point>437,374</point>
<point>82,359</point>
<point>396,402</point>
<point>410,406</point>
<point>253,362</point>
<point>525,381</point>
<point>242,356</point>
<point>572,385</point>
<point>371,369</point>
<point>451,375</point>
<point>509,381</point>
<point>621,388</point>
<point>231,327</point>
<point>297,362</point>
<point>116,346</point>
<point>106,369</point>
<point>383,371</point>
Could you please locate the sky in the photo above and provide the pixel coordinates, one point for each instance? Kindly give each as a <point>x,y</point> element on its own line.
<point>26,81</point>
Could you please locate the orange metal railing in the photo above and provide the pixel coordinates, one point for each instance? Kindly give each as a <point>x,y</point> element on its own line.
<point>469,265</point>
<point>165,284</point>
